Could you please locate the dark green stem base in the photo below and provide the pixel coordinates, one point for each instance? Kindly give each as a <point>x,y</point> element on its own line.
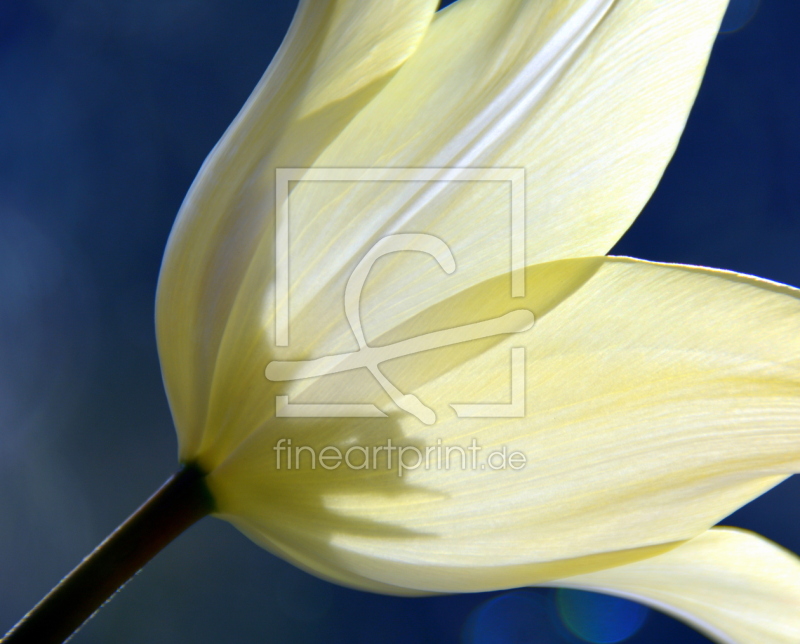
<point>182,501</point>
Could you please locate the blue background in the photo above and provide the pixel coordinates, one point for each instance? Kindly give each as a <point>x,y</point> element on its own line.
<point>107,110</point>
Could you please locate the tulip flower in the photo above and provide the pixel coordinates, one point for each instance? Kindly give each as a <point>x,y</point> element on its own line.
<point>374,378</point>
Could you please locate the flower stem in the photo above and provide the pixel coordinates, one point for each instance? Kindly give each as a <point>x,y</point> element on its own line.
<point>182,501</point>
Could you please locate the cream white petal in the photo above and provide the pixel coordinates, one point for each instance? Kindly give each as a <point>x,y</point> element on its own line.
<point>735,586</point>
<point>658,399</point>
<point>587,97</point>
<point>362,43</point>
<point>336,56</point>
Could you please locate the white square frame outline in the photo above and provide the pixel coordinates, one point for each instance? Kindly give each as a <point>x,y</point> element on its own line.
<point>283,177</point>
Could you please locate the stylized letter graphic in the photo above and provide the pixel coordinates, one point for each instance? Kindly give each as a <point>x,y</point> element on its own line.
<point>371,357</point>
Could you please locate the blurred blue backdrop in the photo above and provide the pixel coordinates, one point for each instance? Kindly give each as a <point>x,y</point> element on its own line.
<point>107,110</point>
